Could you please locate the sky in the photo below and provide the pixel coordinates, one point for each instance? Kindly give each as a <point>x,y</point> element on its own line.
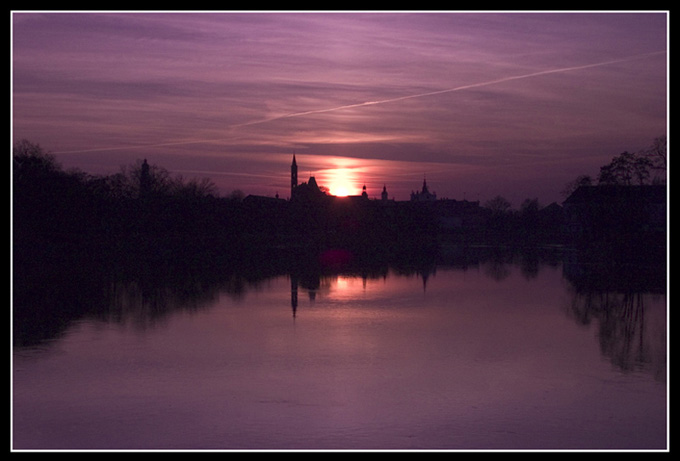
<point>478,104</point>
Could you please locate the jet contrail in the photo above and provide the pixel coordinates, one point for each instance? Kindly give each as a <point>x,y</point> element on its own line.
<point>397,99</point>
<point>458,88</point>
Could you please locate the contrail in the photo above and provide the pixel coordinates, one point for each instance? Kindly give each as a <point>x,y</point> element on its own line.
<point>397,99</point>
<point>458,88</point>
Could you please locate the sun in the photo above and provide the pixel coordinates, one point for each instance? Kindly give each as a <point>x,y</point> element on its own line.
<point>340,191</point>
<point>341,182</point>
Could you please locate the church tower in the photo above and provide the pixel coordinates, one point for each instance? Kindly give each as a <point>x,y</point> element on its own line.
<point>293,175</point>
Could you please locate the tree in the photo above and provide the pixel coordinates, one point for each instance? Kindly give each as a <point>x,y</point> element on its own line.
<point>656,154</point>
<point>645,167</point>
<point>530,206</point>
<point>498,205</point>
<point>528,216</point>
<point>30,159</point>
<point>236,195</point>
<point>143,178</point>
<point>626,169</point>
<point>203,187</point>
<point>48,201</point>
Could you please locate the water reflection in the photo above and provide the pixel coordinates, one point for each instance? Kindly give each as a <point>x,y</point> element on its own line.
<point>614,296</point>
<point>618,297</point>
<point>472,349</point>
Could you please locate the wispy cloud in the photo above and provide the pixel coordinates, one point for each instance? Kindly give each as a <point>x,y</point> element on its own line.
<point>445,88</point>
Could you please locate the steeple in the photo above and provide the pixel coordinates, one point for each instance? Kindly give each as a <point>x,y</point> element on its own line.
<point>293,175</point>
<point>425,195</point>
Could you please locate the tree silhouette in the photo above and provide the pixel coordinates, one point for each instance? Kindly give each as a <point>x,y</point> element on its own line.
<point>642,168</point>
<point>498,205</point>
<point>626,169</point>
<point>30,160</point>
<point>658,157</point>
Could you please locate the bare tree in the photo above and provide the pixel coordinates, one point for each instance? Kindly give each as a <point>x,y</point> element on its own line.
<point>657,155</point>
<point>626,169</point>
<point>30,157</point>
<point>498,205</point>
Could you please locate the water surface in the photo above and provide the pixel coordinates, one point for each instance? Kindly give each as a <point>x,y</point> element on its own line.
<point>486,356</point>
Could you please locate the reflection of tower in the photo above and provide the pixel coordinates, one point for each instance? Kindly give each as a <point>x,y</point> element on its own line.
<point>293,175</point>
<point>364,194</point>
<point>425,273</point>
<point>293,293</point>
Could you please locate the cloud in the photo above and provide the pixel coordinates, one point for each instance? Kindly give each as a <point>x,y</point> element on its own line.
<point>470,90</point>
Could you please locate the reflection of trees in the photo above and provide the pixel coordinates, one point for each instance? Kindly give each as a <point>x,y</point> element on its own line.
<point>631,331</point>
<point>497,270</point>
<point>147,303</point>
<point>622,335</point>
<point>499,262</point>
<point>143,290</point>
<point>630,335</point>
<point>45,305</point>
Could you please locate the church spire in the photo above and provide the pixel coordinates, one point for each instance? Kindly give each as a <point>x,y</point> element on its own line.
<point>293,175</point>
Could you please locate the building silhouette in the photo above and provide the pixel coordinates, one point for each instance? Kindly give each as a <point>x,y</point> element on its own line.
<point>293,175</point>
<point>310,191</point>
<point>424,195</point>
<point>605,211</point>
<point>383,194</point>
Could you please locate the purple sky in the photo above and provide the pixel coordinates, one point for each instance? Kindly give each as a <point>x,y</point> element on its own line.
<point>511,104</point>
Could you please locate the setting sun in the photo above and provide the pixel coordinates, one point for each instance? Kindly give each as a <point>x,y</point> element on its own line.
<point>340,191</point>
<point>342,182</point>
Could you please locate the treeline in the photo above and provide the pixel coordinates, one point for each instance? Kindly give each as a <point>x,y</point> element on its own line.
<point>646,167</point>
<point>56,212</point>
<point>143,214</point>
<point>532,222</point>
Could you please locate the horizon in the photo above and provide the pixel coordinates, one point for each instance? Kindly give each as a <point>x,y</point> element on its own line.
<point>480,104</point>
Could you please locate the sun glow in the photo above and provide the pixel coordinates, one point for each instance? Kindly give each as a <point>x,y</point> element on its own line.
<point>340,191</point>
<point>342,182</point>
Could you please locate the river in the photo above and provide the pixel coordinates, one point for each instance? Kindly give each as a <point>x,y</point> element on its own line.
<point>486,355</point>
